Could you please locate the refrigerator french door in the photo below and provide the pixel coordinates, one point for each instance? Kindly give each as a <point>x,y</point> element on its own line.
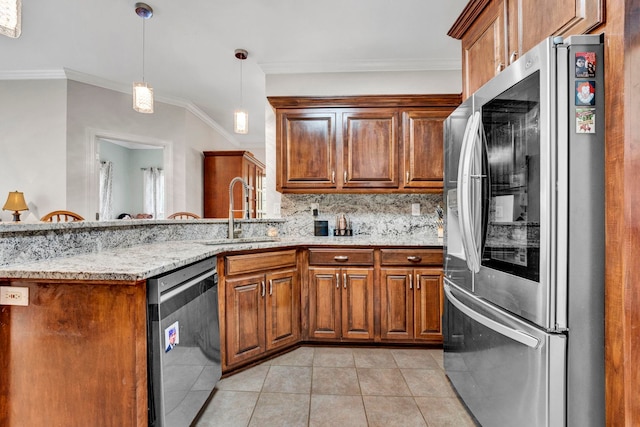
<point>524,240</point>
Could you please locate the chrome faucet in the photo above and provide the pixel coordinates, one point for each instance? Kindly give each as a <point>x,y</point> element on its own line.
<point>245,206</point>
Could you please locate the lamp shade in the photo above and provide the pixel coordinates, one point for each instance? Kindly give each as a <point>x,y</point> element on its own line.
<point>241,122</point>
<point>142,97</point>
<point>15,202</point>
<point>11,18</point>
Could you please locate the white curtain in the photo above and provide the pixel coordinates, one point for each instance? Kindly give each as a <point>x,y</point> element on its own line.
<point>153,193</point>
<point>106,191</point>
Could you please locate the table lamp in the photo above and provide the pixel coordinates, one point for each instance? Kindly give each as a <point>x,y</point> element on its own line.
<point>15,202</point>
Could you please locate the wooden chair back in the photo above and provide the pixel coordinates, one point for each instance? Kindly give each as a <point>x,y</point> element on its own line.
<point>183,215</point>
<point>61,216</point>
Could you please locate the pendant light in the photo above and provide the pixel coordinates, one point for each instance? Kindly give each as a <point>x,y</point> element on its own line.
<point>240,116</point>
<point>11,18</point>
<point>142,92</point>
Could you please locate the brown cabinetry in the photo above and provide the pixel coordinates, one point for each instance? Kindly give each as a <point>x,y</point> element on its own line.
<point>353,144</point>
<point>261,305</point>
<point>494,33</point>
<point>220,167</point>
<point>422,136</point>
<point>411,295</point>
<point>341,294</point>
<point>76,355</point>
<point>306,153</point>
<point>370,148</point>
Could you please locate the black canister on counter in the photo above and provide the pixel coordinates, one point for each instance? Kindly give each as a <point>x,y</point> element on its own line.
<point>320,228</point>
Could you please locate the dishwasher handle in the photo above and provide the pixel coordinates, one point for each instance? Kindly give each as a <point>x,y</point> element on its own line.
<point>514,334</point>
<point>186,285</point>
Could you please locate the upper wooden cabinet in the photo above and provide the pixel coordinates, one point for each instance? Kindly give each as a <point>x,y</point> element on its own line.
<point>220,167</point>
<point>355,144</point>
<point>422,142</point>
<point>370,148</point>
<point>494,33</point>
<point>306,149</point>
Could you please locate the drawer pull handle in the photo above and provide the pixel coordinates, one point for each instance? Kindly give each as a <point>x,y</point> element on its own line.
<point>345,177</point>
<point>418,281</point>
<point>407,177</point>
<point>270,286</point>
<point>341,258</point>
<point>333,177</point>
<point>414,258</point>
<point>337,280</point>
<point>411,281</point>
<point>344,280</point>
<point>263,288</point>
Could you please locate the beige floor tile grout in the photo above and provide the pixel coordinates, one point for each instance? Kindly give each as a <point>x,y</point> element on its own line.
<point>326,355</point>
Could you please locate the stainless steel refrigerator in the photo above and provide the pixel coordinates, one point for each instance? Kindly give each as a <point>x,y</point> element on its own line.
<point>524,241</point>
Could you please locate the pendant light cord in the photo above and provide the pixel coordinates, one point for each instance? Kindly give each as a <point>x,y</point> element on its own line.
<point>241,95</point>
<point>143,50</point>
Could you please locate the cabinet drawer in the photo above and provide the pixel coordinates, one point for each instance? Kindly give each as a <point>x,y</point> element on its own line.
<point>339,256</point>
<point>411,257</point>
<point>248,263</point>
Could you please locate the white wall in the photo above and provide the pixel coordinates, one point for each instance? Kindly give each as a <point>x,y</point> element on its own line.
<point>369,83</point>
<point>33,144</point>
<point>48,133</point>
<point>345,84</point>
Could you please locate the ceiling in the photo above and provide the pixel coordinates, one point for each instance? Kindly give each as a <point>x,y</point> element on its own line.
<point>189,45</point>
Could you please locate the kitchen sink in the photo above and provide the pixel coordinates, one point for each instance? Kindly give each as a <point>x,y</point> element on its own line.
<point>227,241</point>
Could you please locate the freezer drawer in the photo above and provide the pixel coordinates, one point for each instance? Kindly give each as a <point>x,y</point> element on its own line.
<point>508,372</point>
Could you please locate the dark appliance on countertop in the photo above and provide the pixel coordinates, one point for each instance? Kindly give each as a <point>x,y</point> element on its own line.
<point>184,343</point>
<point>524,241</point>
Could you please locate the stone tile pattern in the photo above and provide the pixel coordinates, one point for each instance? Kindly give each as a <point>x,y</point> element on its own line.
<point>339,386</point>
<point>369,214</point>
<point>40,241</point>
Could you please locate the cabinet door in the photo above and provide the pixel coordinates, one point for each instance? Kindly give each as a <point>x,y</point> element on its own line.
<point>282,311</point>
<point>306,149</point>
<point>324,303</point>
<point>544,18</point>
<point>423,148</point>
<point>370,148</point>
<point>396,301</point>
<point>484,48</point>
<point>428,305</point>
<point>357,303</point>
<point>244,318</point>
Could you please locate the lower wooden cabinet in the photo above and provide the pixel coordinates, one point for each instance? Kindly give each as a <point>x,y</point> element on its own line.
<point>262,308</point>
<point>411,297</point>
<point>410,301</point>
<point>336,294</point>
<point>341,303</point>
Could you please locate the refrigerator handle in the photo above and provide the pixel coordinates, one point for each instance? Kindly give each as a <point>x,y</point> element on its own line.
<point>465,196</point>
<point>514,334</point>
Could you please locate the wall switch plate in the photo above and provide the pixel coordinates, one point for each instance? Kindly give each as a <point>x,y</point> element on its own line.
<point>14,295</point>
<point>415,209</point>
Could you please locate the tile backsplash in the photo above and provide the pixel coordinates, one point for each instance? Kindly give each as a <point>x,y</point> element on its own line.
<point>368,214</point>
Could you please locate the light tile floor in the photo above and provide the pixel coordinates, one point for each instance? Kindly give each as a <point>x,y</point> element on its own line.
<point>339,386</point>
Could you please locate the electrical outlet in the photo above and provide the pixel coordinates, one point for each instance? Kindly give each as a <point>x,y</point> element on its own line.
<point>14,295</point>
<point>415,209</point>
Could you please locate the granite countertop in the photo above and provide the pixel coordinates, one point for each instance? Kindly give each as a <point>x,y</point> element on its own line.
<point>143,261</point>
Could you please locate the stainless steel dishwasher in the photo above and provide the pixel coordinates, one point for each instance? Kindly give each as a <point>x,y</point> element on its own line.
<point>183,343</point>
